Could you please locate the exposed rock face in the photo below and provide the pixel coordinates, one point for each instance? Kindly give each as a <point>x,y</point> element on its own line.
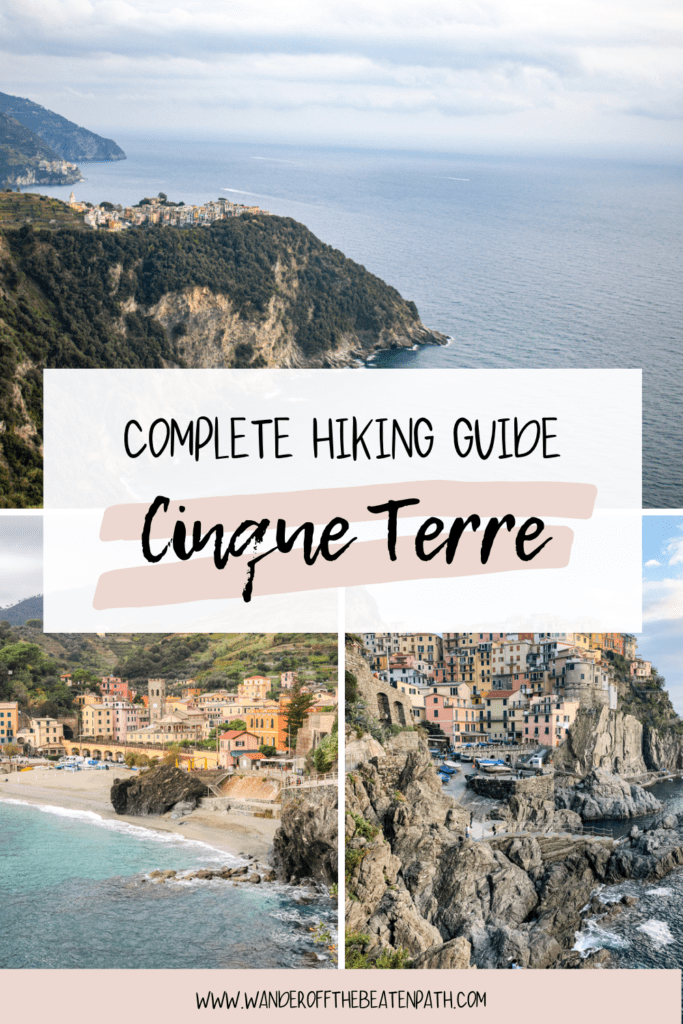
<point>602,795</point>
<point>359,750</point>
<point>662,749</point>
<point>306,844</point>
<point>416,882</point>
<point>528,801</point>
<point>157,791</point>
<point>603,739</point>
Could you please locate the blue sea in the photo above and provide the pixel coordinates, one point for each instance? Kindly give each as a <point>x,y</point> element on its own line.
<point>650,933</point>
<point>75,893</point>
<point>524,262</point>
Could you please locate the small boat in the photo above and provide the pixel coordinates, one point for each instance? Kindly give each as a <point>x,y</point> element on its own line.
<point>451,765</point>
<point>494,767</point>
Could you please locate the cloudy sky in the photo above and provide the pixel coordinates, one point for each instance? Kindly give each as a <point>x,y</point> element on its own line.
<point>662,638</point>
<point>439,74</point>
<point>21,558</point>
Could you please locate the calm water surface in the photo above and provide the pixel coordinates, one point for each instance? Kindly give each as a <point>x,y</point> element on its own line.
<point>523,262</point>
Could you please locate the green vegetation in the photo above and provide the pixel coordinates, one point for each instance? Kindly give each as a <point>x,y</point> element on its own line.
<point>357,945</point>
<point>364,828</point>
<point>325,754</point>
<point>297,711</point>
<point>74,297</point>
<point>36,660</point>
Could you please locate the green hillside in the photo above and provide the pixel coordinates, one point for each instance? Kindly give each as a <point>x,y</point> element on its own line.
<point>74,297</point>
<point>36,660</point>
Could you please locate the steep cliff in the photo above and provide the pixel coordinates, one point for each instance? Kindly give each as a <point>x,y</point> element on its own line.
<point>252,291</point>
<point>422,894</point>
<point>602,739</point>
<point>306,844</point>
<point>619,743</point>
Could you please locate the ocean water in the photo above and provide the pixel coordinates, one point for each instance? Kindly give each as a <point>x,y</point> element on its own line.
<point>73,895</point>
<point>650,933</point>
<point>524,262</point>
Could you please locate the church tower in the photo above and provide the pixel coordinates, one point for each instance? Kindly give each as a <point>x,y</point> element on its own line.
<point>156,691</point>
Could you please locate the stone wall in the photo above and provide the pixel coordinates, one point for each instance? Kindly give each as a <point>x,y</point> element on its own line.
<point>387,705</point>
<point>538,786</point>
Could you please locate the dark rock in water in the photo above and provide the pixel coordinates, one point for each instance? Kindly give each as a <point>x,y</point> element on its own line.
<point>305,844</point>
<point>603,795</point>
<point>156,791</point>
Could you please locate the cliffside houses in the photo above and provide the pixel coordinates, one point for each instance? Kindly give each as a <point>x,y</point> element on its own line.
<point>503,687</point>
<point>107,217</point>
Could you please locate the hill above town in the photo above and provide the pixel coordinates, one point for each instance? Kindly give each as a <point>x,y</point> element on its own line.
<point>26,159</point>
<point>37,660</point>
<point>249,291</point>
<point>68,140</point>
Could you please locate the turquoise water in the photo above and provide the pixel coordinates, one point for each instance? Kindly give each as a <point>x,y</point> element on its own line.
<point>73,895</point>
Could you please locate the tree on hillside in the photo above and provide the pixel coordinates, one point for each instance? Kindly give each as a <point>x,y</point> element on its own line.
<point>296,712</point>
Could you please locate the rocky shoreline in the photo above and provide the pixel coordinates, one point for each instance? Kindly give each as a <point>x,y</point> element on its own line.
<point>417,883</point>
<point>304,850</point>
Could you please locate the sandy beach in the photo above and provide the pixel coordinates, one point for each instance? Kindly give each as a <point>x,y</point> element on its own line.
<point>89,791</point>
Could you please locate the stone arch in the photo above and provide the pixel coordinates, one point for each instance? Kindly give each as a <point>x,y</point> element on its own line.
<point>85,752</point>
<point>97,754</point>
<point>75,750</point>
<point>108,756</point>
<point>400,714</point>
<point>383,707</point>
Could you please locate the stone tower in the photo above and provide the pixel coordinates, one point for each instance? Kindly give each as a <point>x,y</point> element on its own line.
<point>156,691</point>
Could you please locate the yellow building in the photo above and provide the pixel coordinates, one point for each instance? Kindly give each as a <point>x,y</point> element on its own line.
<point>98,720</point>
<point>44,735</point>
<point>254,688</point>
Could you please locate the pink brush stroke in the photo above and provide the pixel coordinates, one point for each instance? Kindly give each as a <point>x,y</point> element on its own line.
<point>437,497</point>
<point>363,563</point>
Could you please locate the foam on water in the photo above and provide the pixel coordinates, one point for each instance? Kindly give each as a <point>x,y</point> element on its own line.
<point>123,827</point>
<point>592,938</point>
<point>657,931</point>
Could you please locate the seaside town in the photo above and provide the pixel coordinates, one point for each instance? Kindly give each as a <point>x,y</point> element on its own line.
<point>524,688</point>
<point>215,728</point>
<point>158,210</point>
<point>500,788</point>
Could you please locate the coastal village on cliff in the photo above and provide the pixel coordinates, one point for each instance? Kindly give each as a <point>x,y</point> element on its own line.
<point>489,777</point>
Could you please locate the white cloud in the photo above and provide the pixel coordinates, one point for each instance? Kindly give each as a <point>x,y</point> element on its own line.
<point>524,68</point>
<point>662,599</point>
<point>651,562</point>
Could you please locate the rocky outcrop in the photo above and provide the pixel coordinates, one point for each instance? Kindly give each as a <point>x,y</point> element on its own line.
<point>602,795</point>
<point>602,739</point>
<point>306,843</point>
<point>527,802</point>
<point>416,882</point>
<point>157,791</point>
<point>663,749</point>
<point>619,743</point>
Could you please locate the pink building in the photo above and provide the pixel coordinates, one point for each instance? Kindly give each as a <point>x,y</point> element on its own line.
<point>233,743</point>
<point>112,686</point>
<point>287,680</point>
<point>126,717</point>
<point>458,718</point>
